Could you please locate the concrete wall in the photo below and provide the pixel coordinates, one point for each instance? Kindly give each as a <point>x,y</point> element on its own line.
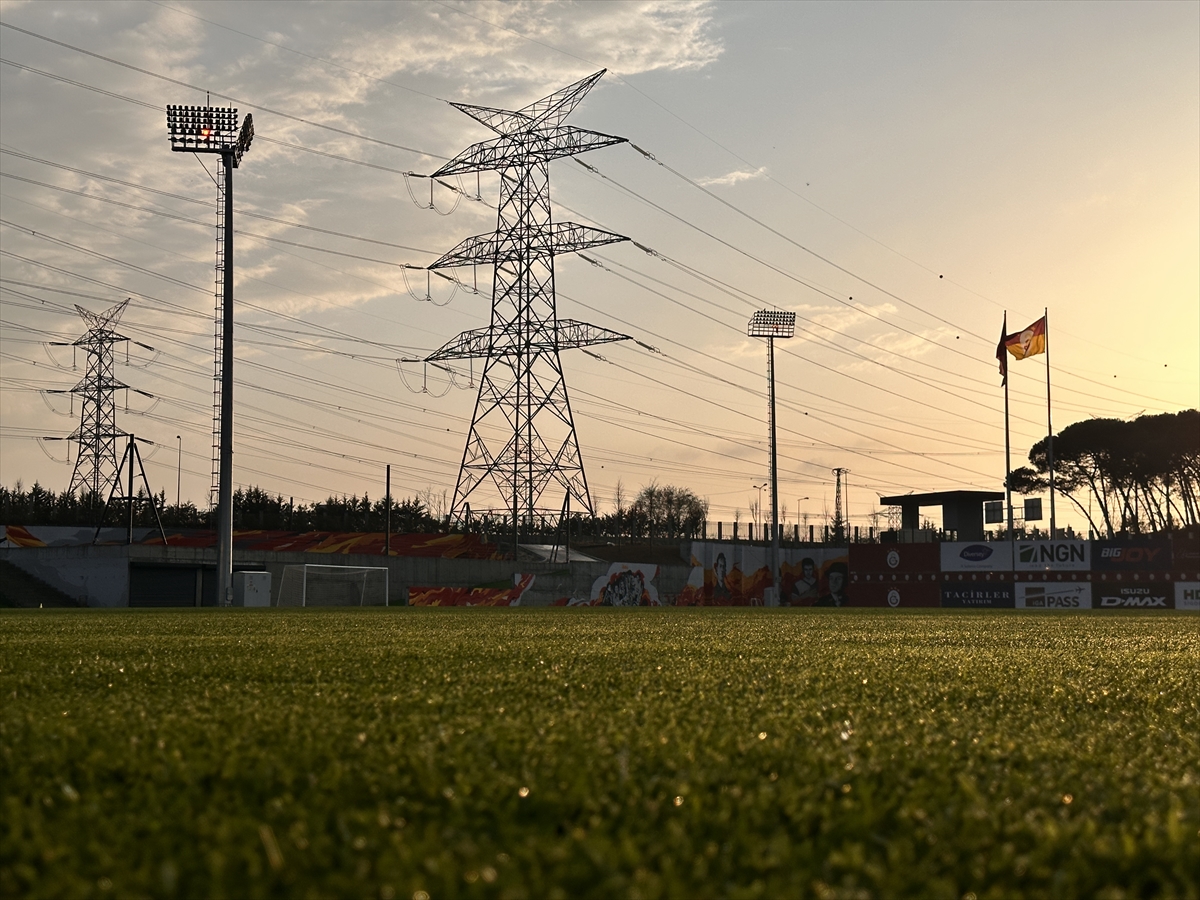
<point>101,574</point>
<point>97,575</point>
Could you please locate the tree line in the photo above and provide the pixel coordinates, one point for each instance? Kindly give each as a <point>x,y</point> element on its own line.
<point>1138,476</point>
<point>252,508</point>
<point>657,511</point>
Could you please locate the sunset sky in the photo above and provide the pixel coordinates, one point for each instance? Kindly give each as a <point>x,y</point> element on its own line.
<point>897,174</point>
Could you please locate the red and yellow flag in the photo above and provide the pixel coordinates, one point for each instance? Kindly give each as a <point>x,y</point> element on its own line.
<point>1029,342</point>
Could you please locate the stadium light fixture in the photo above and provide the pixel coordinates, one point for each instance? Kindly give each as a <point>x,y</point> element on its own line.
<point>772,324</point>
<point>214,129</point>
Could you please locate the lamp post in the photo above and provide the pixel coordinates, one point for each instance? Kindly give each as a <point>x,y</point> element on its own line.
<point>771,324</point>
<point>759,488</point>
<point>211,129</point>
<point>178,469</point>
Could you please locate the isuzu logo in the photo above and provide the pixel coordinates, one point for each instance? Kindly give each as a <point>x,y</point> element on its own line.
<point>1144,601</point>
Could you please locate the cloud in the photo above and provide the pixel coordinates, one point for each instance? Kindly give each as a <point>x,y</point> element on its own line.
<point>733,177</point>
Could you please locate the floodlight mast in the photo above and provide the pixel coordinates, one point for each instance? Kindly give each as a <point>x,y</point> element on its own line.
<point>209,129</point>
<point>771,324</point>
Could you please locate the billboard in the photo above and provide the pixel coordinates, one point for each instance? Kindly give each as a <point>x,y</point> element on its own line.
<point>734,574</point>
<point>625,584</point>
<point>1053,556</point>
<point>1053,595</point>
<point>897,595</point>
<point>1133,596</point>
<point>1187,595</point>
<point>977,595</point>
<point>894,558</point>
<point>1140,555</point>
<point>976,556</point>
<point>502,593</point>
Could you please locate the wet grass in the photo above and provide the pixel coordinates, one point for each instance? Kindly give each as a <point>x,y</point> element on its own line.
<point>542,753</point>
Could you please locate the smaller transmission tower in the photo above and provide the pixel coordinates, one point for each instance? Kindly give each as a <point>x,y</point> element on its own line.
<point>97,434</point>
<point>125,494</point>
<point>839,517</point>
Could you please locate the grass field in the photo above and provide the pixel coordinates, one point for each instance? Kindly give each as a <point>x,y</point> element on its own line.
<point>643,753</point>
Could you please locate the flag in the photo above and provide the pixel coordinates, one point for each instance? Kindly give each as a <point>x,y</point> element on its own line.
<point>1029,342</point>
<point>1001,356</point>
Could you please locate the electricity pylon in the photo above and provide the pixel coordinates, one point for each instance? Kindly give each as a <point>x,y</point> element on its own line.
<point>840,529</point>
<point>97,434</point>
<point>522,438</point>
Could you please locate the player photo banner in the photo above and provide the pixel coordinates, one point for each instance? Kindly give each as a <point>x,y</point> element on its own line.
<point>729,574</point>
<point>625,584</point>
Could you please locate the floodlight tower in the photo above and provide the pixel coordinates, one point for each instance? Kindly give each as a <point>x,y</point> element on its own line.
<point>772,324</point>
<point>522,437</point>
<point>97,434</point>
<point>210,129</point>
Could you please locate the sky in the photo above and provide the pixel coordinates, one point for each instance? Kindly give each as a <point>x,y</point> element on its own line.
<point>900,175</point>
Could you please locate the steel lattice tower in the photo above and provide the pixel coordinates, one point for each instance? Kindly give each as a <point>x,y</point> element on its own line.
<point>840,529</point>
<point>522,438</point>
<point>96,464</point>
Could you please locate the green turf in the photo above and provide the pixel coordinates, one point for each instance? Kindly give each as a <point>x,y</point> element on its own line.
<point>639,753</point>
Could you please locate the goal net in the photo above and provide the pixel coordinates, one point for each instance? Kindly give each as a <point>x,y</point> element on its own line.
<point>310,585</point>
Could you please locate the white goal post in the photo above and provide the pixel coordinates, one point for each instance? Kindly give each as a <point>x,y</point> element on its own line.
<point>313,585</point>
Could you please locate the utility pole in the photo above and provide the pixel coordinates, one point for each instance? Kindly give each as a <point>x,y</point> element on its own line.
<point>772,324</point>
<point>209,129</point>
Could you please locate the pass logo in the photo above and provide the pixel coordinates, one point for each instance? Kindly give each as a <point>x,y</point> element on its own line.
<point>1039,598</point>
<point>975,552</point>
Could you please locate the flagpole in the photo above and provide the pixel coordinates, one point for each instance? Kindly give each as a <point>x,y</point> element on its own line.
<point>1049,425</point>
<point>1007,446</point>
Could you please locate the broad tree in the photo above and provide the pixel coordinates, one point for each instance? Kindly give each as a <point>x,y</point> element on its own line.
<point>1137,475</point>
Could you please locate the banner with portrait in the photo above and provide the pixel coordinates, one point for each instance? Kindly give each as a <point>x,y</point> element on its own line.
<point>734,574</point>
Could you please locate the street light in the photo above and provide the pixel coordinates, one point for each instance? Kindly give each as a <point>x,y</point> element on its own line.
<point>178,469</point>
<point>759,488</point>
<point>771,324</point>
<point>213,129</point>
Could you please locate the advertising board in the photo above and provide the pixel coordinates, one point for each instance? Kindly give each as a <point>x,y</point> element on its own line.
<point>1139,555</point>
<point>898,595</point>
<point>1185,550</point>
<point>976,556</point>
<point>1187,595</point>
<point>1133,596</point>
<point>738,574</point>
<point>895,558</point>
<point>1053,556</point>
<point>977,595</point>
<point>1051,595</point>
